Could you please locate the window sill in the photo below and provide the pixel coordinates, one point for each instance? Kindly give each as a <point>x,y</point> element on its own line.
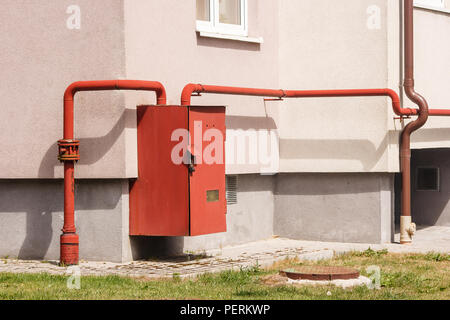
<point>230,37</point>
<point>421,6</point>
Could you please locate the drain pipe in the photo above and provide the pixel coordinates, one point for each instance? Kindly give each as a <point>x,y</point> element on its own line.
<point>69,154</point>
<point>407,228</point>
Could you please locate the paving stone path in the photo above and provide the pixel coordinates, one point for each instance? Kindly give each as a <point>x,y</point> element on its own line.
<point>262,253</point>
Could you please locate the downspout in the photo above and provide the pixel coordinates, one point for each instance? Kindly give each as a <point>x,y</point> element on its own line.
<point>407,228</point>
<point>69,154</point>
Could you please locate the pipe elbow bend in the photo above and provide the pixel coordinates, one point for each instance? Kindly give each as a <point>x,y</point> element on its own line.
<point>71,90</point>
<point>188,90</point>
<point>161,94</point>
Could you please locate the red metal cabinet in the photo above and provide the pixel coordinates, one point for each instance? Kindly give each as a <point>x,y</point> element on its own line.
<point>179,199</point>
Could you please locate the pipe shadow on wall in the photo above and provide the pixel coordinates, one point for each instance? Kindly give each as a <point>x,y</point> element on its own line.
<point>41,199</point>
<point>101,145</point>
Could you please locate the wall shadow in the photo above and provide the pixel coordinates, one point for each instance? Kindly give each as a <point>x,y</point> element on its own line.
<point>40,199</point>
<point>101,145</point>
<point>431,208</point>
<point>227,44</point>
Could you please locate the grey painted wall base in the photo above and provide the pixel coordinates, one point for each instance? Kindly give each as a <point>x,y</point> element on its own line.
<point>31,219</point>
<point>355,208</point>
<point>251,219</point>
<point>327,207</point>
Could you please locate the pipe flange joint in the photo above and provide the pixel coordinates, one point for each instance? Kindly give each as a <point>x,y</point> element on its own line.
<point>68,150</point>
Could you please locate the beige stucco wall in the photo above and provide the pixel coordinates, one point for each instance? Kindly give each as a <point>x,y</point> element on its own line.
<point>40,57</point>
<point>308,44</point>
<point>330,46</point>
<point>432,49</point>
<point>167,48</point>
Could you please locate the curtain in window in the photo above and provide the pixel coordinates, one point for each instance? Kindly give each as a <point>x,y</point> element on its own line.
<point>203,10</point>
<point>230,11</point>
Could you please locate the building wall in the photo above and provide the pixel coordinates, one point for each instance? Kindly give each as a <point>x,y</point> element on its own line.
<point>31,216</point>
<point>321,47</point>
<point>431,208</point>
<point>432,69</point>
<point>132,39</point>
<point>167,47</point>
<point>40,57</point>
<point>335,207</point>
<point>335,154</point>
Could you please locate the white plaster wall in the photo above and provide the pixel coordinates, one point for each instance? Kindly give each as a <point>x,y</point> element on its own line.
<point>162,44</point>
<point>308,44</point>
<point>432,74</point>
<point>39,58</point>
<point>328,45</point>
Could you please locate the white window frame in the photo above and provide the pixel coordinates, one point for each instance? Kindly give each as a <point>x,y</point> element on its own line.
<point>430,3</point>
<point>214,25</point>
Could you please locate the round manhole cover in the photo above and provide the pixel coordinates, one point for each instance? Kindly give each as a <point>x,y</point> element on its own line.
<point>318,273</point>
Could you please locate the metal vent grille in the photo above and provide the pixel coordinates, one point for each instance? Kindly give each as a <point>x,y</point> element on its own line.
<point>231,189</point>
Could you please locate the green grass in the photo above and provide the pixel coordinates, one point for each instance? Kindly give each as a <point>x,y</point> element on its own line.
<point>404,276</point>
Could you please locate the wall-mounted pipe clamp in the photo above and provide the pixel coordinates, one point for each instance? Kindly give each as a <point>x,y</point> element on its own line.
<point>68,150</point>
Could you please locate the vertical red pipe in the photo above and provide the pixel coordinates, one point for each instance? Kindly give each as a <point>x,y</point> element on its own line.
<point>68,153</point>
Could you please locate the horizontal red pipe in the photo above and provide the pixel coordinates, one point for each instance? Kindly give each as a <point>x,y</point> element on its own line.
<point>75,87</point>
<point>439,112</point>
<point>198,88</point>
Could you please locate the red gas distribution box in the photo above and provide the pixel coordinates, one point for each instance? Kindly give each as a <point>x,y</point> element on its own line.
<point>181,159</point>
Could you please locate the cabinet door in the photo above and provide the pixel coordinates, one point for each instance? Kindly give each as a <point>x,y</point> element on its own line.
<point>207,173</point>
<point>159,199</point>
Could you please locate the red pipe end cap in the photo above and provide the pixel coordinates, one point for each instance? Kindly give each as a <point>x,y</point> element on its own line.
<point>69,249</point>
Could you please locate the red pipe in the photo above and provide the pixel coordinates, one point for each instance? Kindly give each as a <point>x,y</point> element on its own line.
<point>68,153</point>
<point>190,89</point>
<point>198,88</point>
<point>439,112</point>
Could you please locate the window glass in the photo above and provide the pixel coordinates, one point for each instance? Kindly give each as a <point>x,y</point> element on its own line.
<point>230,11</point>
<point>203,10</point>
<point>428,179</point>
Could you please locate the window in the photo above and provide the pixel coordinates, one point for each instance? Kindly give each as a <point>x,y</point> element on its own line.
<point>222,16</point>
<point>427,179</point>
<point>430,3</point>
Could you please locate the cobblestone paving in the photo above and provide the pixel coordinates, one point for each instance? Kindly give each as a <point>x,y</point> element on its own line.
<point>189,265</point>
<point>263,253</point>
